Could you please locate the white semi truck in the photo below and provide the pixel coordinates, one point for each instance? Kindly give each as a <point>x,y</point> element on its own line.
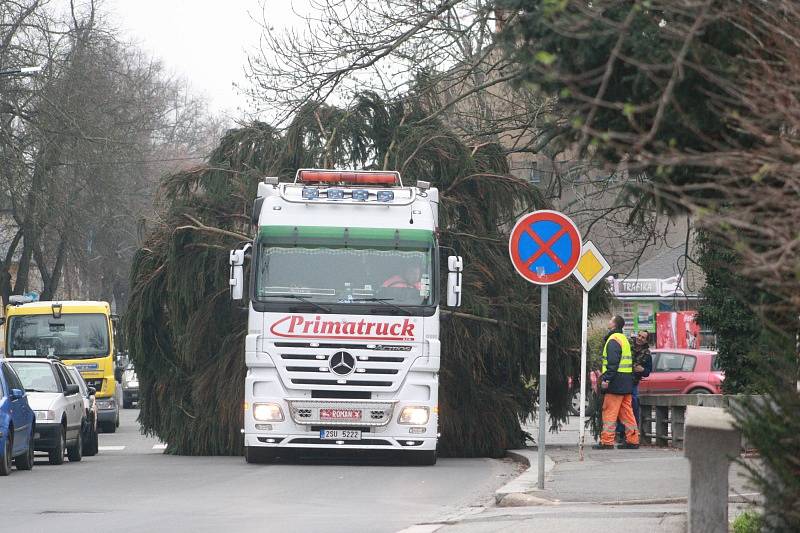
<point>343,348</point>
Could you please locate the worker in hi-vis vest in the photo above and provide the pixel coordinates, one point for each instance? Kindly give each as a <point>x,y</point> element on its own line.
<point>617,384</point>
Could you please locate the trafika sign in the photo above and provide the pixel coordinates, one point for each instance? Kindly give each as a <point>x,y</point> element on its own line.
<point>317,327</point>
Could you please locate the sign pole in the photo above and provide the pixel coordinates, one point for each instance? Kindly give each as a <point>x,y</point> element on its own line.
<point>542,383</point>
<point>584,335</point>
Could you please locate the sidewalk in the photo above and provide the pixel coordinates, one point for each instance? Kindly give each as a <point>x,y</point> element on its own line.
<point>642,490</point>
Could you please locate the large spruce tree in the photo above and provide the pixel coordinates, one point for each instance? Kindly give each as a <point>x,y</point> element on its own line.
<point>187,337</point>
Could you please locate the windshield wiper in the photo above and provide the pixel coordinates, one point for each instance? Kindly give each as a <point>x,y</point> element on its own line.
<point>302,299</point>
<point>383,301</point>
<point>37,390</point>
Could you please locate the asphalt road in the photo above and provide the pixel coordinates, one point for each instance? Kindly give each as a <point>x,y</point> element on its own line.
<point>131,486</point>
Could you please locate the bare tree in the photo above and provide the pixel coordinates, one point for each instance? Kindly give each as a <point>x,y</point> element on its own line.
<point>83,148</point>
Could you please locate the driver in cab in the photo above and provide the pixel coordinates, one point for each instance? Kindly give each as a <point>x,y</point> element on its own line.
<point>408,279</point>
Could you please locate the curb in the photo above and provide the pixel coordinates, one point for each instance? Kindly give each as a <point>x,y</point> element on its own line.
<point>515,493</point>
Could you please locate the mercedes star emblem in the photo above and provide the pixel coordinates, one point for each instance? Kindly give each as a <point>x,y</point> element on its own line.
<point>342,363</point>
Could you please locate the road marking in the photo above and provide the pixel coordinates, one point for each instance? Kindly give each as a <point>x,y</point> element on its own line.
<point>422,528</point>
<point>159,446</point>
<point>110,448</point>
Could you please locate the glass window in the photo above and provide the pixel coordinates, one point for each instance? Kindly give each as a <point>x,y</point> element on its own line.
<point>36,377</point>
<point>343,267</point>
<point>78,380</point>
<point>715,364</point>
<point>11,378</point>
<point>669,362</point>
<point>688,363</point>
<point>73,336</point>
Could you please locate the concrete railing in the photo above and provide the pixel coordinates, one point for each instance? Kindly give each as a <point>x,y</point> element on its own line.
<point>663,416</point>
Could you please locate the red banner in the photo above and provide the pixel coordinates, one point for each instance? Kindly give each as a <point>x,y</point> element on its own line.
<point>677,329</point>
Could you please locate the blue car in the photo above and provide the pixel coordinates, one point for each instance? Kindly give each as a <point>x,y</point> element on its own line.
<point>17,422</point>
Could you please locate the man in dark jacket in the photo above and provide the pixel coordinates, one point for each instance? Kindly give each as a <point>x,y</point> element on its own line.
<point>642,366</point>
<point>616,382</point>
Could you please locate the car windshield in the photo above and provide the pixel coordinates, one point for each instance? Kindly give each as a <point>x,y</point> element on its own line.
<point>72,336</point>
<point>36,377</point>
<point>339,267</point>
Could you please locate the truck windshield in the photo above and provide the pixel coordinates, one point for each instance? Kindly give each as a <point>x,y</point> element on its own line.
<point>347,266</point>
<point>72,336</point>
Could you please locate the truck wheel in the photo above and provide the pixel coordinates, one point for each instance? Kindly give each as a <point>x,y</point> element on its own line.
<point>127,403</point>
<point>25,461</point>
<point>56,455</point>
<point>109,427</point>
<point>422,458</point>
<point>259,455</point>
<point>5,461</point>
<point>699,390</point>
<point>75,452</point>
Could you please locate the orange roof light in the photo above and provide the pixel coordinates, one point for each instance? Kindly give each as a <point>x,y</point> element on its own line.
<point>342,176</point>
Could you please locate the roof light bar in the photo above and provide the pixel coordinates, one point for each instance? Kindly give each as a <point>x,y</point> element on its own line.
<point>338,176</point>
<point>310,193</point>
<point>385,196</point>
<point>360,195</point>
<point>335,194</point>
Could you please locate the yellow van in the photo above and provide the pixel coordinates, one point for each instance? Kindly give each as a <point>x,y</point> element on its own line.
<point>81,334</point>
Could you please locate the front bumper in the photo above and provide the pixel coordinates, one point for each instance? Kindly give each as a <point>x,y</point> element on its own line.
<point>384,433</point>
<point>47,436</point>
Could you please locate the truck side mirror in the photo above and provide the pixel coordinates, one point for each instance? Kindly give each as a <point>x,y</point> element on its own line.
<point>236,280</point>
<point>455,266</point>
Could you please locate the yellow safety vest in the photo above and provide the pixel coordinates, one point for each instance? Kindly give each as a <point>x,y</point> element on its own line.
<point>626,363</point>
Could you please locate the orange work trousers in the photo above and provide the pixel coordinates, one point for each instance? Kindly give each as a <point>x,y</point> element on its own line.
<point>618,406</point>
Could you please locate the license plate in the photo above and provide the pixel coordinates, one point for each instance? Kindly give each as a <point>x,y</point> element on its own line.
<point>340,414</point>
<point>340,434</point>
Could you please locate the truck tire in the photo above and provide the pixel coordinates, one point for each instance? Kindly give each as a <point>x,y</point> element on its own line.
<point>56,455</point>
<point>25,461</point>
<point>75,452</point>
<point>127,403</point>
<point>109,427</point>
<point>422,458</point>
<point>699,390</point>
<point>259,455</point>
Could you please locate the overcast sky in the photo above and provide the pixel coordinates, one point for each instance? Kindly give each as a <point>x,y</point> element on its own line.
<point>205,41</point>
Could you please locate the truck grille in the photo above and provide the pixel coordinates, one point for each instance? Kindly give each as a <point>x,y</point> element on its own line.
<point>370,367</point>
<point>373,413</point>
<point>96,383</point>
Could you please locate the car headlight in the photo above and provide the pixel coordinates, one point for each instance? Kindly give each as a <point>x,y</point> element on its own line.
<point>267,412</point>
<point>45,415</point>
<point>413,415</point>
<point>106,403</point>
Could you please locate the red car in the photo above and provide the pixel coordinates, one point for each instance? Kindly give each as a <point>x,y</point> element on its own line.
<point>677,371</point>
<point>683,372</point>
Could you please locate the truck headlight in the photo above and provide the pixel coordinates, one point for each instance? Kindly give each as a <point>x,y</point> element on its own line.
<point>413,415</point>
<point>267,412</point>
<point>45,415</point>
<point>106,403</point>
<point>133,384</point>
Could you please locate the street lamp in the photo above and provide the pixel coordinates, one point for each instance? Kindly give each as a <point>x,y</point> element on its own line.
<point>21,71</point>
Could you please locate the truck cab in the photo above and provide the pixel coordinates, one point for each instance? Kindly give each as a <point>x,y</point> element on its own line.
<point>80,334</point>
<point>343,348</point>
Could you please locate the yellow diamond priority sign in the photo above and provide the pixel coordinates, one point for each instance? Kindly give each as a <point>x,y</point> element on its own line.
<point>592,266</point>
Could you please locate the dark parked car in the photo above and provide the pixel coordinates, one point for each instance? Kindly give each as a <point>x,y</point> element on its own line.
<point>89,430</point>
<point>130,387</point>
